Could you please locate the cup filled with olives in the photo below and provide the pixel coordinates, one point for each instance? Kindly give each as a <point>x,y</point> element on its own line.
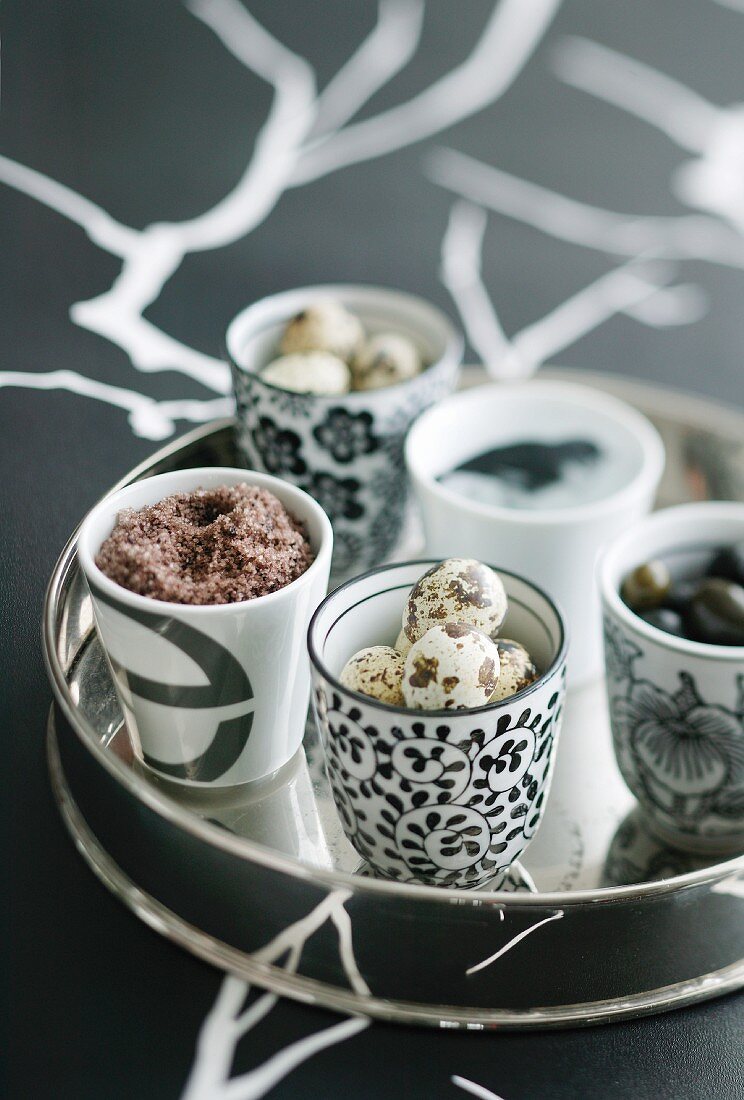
<point>438,693</point>
<point>328,380</point>
<point>673,598</point>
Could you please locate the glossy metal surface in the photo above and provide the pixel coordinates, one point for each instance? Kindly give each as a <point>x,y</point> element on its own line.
<point>601,921</point>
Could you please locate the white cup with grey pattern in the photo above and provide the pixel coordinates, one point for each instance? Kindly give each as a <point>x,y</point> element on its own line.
<point>346,451</point>
<point>213,695</point>
<point>677,706</point>
<point>449,797</point>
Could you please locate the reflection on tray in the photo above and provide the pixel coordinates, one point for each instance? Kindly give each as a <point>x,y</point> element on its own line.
<point>636,855</point>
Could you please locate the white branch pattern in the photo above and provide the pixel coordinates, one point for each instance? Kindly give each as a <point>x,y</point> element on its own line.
<point>670,106</point>
<point>687,236</point>
<point>635,288</point>
<point>304,137</point>
<point>228,1022</point>
<point>381,56</point>
<point>498,57</point>
<point>474,1089</point>
<point>148,418</point>
<point>510,944</point>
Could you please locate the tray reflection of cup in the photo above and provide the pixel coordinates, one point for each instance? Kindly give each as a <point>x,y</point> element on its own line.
<point>637,855</point>
<point>677,706</point>
<point>606,453</point>
<point>345,450</point>
<point>212,694</point>
<point>448,797</point>
<point>281,813</point>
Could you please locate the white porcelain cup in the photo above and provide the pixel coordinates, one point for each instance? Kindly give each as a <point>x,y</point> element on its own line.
<point>213,695</point>
<point>555,547</point>
<point>677,706</point>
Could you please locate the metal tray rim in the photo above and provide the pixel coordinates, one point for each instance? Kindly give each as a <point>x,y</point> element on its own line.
<point>311,991</point>
<point>244,848</point>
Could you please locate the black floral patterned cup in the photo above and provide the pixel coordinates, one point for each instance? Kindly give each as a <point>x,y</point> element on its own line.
<point>346,451</point>
<point>444,798</point>
<point>677,706</point>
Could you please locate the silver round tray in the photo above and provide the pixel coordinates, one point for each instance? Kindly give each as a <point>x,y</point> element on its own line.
<point>600,922</point>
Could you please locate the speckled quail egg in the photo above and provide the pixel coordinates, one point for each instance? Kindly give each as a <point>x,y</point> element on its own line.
<point>517,669</point>
<point>452,667</point>
<point>323,326</point>
<point>403,643</point>
<point>385,360</point>
<point>458,590</point>
<point>376,671</point>
<point>316,372</point>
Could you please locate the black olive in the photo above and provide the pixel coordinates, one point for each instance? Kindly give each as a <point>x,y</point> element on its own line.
<point>663,618</point>
<point>728,563</point>
<point>680,596</point>
<point>646,586</point>
<point>716,613</point>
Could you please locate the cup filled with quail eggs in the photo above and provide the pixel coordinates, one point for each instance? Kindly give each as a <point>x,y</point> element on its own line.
<point>438,693</point>
<point>673,596</point>
<point>327,381</point>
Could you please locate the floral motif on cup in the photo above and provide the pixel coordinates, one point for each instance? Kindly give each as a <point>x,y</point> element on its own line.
<point>388,484</point>
<point>426,760</point>
<point>336,496</point>
<point>352,744</point>
<point>279,447</point>
<point>344,805</point>
<point>247,393</point>
<point>398,776</point>
<point>387,524</point>
<point>505,760</point>
<point>689,747</point>
<point>348,550</point>
<point>293,404</point>
<point>620,652</point>
<point>346,435</point>
<point>677,752</point>
<point>448,838</point>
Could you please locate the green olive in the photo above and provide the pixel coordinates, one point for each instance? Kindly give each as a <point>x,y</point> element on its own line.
<point>646,586</point>
<point>716,613</point>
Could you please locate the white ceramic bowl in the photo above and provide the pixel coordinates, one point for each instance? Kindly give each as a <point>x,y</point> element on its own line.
<point>676,706</point>
<point>347,450</point>
<point>555,547</point>
<point>448,798</point>
<point>213,695</point>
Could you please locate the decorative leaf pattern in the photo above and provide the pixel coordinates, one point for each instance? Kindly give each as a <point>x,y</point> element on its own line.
<point>449,804</point>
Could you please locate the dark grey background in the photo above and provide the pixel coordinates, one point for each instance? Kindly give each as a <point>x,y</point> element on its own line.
<point>138,107</point>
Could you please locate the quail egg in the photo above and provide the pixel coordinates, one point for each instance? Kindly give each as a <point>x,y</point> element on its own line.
<point>402,643</point>
<point>517,669</point>
<point>453,666</point>
<point>316,372</point>
<point>385,360</point>
<point>458,590</point>
<point>323,326</point>
<point>376,671</point>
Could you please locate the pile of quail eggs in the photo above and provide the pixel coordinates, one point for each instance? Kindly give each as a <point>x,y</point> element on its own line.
<point>325,350</point>
<point>448,655</point>
<point>708,608</point>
